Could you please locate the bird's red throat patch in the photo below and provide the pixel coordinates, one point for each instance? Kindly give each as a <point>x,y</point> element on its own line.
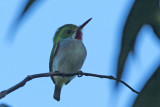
<point>79,35</point>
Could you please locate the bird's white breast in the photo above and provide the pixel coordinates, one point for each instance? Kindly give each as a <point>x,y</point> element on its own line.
<point>70,56</point>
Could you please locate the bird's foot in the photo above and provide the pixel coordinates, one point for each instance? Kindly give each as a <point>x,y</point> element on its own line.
<point>61,74</point>
<point>80,74</point>
<point>56,72</point>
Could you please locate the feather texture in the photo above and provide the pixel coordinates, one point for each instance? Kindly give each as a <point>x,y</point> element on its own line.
<point>68,57</point>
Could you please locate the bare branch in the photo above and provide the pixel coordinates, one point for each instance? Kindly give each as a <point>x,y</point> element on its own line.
<point>79,74</point>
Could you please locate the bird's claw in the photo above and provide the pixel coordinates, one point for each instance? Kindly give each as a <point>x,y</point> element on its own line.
<point>80,74</point>
<point>56,72</point>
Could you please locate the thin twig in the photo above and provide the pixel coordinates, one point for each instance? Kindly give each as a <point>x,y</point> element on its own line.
<point>79,74</point>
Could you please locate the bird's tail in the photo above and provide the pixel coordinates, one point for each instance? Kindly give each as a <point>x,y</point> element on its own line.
<point>57,92</point>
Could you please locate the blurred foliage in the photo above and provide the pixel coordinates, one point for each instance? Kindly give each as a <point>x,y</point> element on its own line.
<point>142,12</point>
<point>4,105</point>
<point>13,28</point>
<point>150,94</point>
<point>27,7</point>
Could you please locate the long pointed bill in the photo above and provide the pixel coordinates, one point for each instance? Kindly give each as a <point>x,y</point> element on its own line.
<point>80,27</point>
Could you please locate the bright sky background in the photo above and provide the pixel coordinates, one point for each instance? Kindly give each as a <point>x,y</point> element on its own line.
<point>30,51</point>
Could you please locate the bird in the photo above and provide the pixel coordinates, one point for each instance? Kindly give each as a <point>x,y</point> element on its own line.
<point>68,54</point>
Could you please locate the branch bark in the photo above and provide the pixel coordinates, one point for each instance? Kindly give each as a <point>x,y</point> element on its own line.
<point>79,74</point>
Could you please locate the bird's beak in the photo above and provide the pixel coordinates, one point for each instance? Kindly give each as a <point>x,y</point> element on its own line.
<point>80,27</point>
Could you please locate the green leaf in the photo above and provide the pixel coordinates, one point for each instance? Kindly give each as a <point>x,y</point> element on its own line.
<point>150,94</point>
<point>142,12</point>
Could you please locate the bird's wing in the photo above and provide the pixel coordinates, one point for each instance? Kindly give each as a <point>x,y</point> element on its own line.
<point>53,54</point>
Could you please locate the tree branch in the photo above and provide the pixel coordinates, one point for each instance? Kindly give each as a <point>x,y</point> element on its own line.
<point>79,74</point>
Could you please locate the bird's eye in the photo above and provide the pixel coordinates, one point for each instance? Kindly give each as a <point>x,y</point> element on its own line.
<point>68,31</point>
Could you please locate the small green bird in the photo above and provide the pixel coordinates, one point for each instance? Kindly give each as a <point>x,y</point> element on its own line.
<point>68,54</point>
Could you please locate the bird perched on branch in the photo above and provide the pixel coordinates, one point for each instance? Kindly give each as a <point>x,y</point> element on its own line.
<point>68,54</point>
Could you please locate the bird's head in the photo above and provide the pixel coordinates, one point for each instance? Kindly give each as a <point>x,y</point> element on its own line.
<point>69,31</point>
